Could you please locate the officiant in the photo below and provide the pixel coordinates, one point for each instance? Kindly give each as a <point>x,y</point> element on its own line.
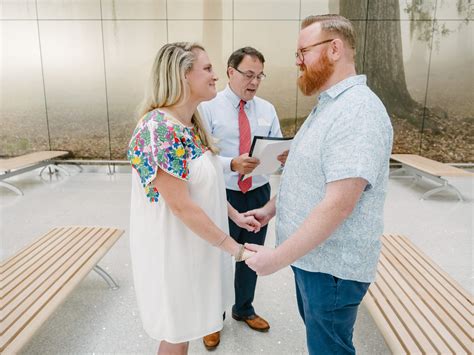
<point>234,117</point>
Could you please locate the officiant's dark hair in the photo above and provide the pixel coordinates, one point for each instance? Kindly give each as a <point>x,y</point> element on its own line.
<point>236,58</point>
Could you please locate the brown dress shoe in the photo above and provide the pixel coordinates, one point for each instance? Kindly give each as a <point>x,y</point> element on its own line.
<point>212,340</point>
<point>254,321</point>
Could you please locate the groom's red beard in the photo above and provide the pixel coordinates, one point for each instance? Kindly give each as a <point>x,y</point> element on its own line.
<point>313,78</point>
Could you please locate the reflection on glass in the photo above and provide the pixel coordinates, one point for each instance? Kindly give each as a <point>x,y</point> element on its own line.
<point>280,85</point>
<point>133,10</point>
<point>395,53</point>
<point>23,126</point>
<point>266,10</point>
<point>128,64</point>
<point>75,87</point>
<point>215,36</point>
<point>200,9</point>
<point>17,10</point>
<point>448,125</point>
<point>69,10</point>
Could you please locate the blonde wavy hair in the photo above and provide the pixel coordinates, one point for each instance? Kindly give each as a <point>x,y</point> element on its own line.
<point>167,86</point>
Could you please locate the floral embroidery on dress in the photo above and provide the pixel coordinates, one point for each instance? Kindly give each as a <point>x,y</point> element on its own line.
<point>158,142</point>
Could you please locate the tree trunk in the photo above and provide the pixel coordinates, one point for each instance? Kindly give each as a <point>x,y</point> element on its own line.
<point>382,59</point>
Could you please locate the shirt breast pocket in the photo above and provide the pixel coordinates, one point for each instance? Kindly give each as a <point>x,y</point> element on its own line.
<point>264,127</point>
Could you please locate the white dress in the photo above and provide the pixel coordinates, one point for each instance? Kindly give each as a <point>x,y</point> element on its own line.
<point>182,283</point>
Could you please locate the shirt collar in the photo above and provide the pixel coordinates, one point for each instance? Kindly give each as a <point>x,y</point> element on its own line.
<point>337,89</point>
<point>233,98</point>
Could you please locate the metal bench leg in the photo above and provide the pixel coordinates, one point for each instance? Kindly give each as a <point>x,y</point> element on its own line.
<point>106,276</point>
<point>61,169</point>
<point>53,168</point>
<point>44,167</point>
<point>111,169</point>
<point>446,186</point>
<point>401,173</point>
<point>11,187</point>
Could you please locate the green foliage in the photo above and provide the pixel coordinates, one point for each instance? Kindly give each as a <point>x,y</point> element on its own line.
<point>421,13</point>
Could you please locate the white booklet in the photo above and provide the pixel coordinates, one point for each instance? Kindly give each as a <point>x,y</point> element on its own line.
<point>267,149</point>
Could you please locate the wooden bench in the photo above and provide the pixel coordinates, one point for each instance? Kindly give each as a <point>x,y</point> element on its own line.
<point>417,167</point>
<point>13,166</point>
<point>418,307</point>
<point>37,279</point>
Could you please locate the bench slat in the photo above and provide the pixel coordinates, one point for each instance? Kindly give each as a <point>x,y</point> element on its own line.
<point>48,297</point>
<point>436,331</point>
<point>445,280</point>
<point>26,265</point>
<point>389,323</point>
<point>405,312</point>
<point>11,262</point>
<point>422,280</point>
<point>74,241</point>
<point>411,295</point>
<point>46,279</point>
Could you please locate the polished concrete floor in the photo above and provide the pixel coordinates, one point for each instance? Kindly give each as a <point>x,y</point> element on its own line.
<point>95,319</point>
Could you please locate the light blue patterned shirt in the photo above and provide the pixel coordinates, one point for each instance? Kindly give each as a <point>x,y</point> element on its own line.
<point>221,115</point>
<point>348,135</point>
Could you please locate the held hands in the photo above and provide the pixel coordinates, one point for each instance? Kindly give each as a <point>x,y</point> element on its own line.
<point>260,214</point>
<point>243,164</point>
<point>243,253</point>
<point>282,157</point>
<point>263,261</point>
<point>249,222</point>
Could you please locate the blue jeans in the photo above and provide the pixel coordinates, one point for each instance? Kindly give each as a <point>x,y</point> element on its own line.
<point>328,306</point>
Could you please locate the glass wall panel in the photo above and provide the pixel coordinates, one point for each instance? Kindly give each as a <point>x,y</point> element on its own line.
<point>133,9</point>
<point>280,85</point>
<point>17,10</point>
<point>215,36</point>
<point>200,9</point>
<point>454,10</point>
<point>311,7</point>
<point>23,126</point>
<point>396,64</point>
<point>69,9</point>
<point>128,65</point>
<point>266,10</point>
<point>75,87</point>
<point>449,120</point>
<point>432,115</point>
<point>401,10</point>
<point>353,10</point>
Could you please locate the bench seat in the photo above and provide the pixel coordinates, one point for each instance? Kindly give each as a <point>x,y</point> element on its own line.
<point>419,308</point>
<point>37,279</point>
<point>13,166</point>
<point>417,166</point>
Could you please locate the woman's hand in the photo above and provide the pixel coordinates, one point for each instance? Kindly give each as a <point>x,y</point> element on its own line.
<point>247,254</point>
<point>243,253</point>
<point>250,223</point>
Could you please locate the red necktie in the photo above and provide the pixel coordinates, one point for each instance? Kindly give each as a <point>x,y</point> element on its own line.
<point>244,144</point>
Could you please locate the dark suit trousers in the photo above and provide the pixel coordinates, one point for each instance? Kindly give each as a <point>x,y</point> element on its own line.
<point>245,279</point>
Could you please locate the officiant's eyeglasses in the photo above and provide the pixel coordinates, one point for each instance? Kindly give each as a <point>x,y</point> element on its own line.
<point>251,75</point>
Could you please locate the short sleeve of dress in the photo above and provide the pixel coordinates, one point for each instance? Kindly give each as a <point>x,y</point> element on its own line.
<point>157,143</point>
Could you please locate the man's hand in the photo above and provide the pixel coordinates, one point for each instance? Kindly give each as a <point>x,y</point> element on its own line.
<point>261,215</point>
<point>243,164</point>
<point>282,157</point>
<point>263,262</point>
<point>250,223</point>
